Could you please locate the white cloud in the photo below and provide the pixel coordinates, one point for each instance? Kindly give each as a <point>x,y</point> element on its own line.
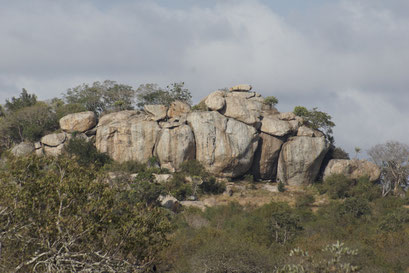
<point>349,58</point>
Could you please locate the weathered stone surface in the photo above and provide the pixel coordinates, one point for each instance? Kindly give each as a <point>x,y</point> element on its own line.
<point>78,122</point>
<point>266,157</point>
<point>275,127</point>
<point>241,87</point>
<point>353,169</point>
<point>156,112</point>
<point>132,138</point>
<point>178,108</point>
<point>243,95</point>
<point>175,146</point>
<point>22,149</point>
<point>119,116</point>
<point>287,116</point>
<point>300,160</point>
<point>224,146</point>
<point>215,101</point>
<point>54,140</point>
<point>53,151</point>
<point>245,110</point>
<point>306,131</point>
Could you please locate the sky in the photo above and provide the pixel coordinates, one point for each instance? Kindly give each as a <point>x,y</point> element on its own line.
<point>349,58</point>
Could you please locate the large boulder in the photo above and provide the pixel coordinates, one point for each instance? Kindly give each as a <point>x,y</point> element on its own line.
<point>274,126</point>
<point>78,122</point>
<point>175,146</point>
<point>243,109</point>
<point>353,169</point>
<point>266,157</point>
<point>156,111</point>
<point>215,101</point>
<point>118,116</point>
<point>300,160</point>
<point>131,138</point>
<point>53,151</point>
<point>178,108</point>
<point>22,149</point>
<point>224,146</point>
<point>53,140</point>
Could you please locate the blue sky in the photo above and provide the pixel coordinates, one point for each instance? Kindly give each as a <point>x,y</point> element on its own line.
<point>347,57</point>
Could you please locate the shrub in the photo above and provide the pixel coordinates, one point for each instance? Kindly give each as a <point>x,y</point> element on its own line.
<point>338,186</point>
<point>85,152</point>
<point>193,168</point>
<point>178,187</point>
<point>395,220</point>
<point>270,100</point>
<point>281,187</point>
<point>355,207</point>
<point>304,200</point>
<point>212,186</point>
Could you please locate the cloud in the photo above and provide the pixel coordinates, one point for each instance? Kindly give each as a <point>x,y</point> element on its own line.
<point>349,58</point>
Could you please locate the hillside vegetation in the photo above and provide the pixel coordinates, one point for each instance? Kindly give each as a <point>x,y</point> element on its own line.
<point>82,211</point>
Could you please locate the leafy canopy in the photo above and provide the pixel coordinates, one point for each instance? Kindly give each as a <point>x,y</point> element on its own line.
<point>153,94</point>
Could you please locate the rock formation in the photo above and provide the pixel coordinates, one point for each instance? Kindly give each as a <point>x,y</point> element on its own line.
<point>236,133</point>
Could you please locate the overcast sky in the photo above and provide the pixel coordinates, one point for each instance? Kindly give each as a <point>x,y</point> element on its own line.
<point>348,58</point>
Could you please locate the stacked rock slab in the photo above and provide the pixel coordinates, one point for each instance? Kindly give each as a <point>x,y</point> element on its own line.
<point>266,157</point>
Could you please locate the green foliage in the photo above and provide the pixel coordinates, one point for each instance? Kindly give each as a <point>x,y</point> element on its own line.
<point>153,94</point>
<point>212,186</point>
<point>317,120</point>
<point>25,100</point>
<point>355,207</point>
<point>178,187</point>
<point>338,186</point>
<point>394,221</point>
<point>59,216</point>
<point>193,168</point>
<point>283,223</point>
<point>27,124</point>
<point>201,106</point>
<point>281,187</point>
<point>270,100</point>
<point>85,152</point>
<point>100,97</point>
<point>62,109</point>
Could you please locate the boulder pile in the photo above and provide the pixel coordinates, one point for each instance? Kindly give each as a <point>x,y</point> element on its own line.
<point>239,133</point>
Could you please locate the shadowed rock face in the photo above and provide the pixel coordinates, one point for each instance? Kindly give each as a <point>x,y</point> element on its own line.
<point>266,157</point>
<point>300,160</point>
<point>353,169</point>
<point>224,146</point>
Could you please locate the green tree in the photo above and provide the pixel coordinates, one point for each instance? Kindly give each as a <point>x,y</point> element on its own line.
<point>153,94</point>
<point>59,216</point>
<point>100,97</point>
<point>271,100</point>
<point>25,100</point>
<point>316,120</point>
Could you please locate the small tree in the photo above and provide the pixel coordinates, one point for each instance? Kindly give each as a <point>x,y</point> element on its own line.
<point>316,120</point>
<point>24,100</point>
<point>393,159</point>
<point>271,100</point>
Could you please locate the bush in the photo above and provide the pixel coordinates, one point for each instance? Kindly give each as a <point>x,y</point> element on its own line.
<point>281,187</point>
<point>270,100</point>
<point>194,168</point>
<point>338,186</point>
<point>69,220</point>
<point>178,187</point>
<point>212,186</point>
<point>85,152</point>
<point>394,221</point>
<point>304,200</point>
<point>355,207</point>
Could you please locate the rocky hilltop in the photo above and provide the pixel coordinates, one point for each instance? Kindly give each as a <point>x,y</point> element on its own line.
<point>235,132</point>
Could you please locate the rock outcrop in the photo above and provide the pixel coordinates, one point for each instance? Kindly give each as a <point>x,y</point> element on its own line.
<point>22,149</point>
<point>224,146</point>
<point>78,122</point>
<point>300,160</point>
<point>216,100</point>
<point>178,108</point>
<point>132,138</point>
<point>156,112</point>
<point>353,169</point>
